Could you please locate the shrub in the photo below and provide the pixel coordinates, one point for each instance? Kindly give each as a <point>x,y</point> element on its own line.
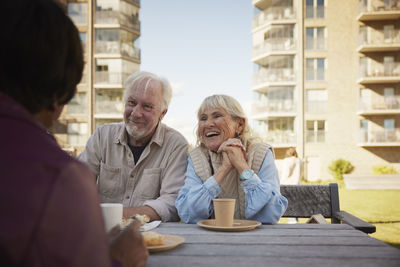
<point>383,169</point>
<point>339,167</point>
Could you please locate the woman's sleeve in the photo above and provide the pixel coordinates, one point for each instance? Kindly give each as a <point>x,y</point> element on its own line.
<point>264,201</point>
<point>194,201</point>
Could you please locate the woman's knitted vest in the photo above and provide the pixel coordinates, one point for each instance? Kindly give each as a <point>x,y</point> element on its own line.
<point>205,162</point>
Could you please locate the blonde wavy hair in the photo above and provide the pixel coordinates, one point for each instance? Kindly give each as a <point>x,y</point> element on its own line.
<point>232,107</point>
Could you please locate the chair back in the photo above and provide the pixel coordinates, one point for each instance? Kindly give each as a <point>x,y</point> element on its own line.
<point>307,200</point>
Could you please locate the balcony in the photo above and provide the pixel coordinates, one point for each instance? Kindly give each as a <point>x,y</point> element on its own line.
<point>263,4</point>
<point>279,138</point>
<point>116,48</point>
<point>262,110</point>
<point>386,106</point>
<point>379,10</point>
<point>380,74</point>
<point>275,14</point>
<point>109,109</point>
<point>274,46</point>
<point>379,41</point>
<point>315,136</point>
<point>112,17</point>
<point>111,78</point>
<point>273,77</point>
<point>381,138</point>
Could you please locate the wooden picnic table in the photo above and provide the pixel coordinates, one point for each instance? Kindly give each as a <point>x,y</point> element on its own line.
<point>275,245</point>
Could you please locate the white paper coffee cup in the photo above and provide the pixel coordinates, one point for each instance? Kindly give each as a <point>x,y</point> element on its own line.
<point>112,214</point>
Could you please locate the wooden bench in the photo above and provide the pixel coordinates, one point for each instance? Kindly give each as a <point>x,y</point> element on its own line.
<point>307,201</point>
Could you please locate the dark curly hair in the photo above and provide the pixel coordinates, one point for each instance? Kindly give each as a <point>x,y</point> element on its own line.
<point>41,54</point>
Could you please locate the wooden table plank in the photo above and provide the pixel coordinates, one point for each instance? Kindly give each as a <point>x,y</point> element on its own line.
<point>277,245</point>
<point>166,260</point>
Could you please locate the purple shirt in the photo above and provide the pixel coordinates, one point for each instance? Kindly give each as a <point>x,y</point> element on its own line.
<point>50,214</point>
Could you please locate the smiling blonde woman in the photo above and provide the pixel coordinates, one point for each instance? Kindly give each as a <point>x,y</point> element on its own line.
<point>227,163</point>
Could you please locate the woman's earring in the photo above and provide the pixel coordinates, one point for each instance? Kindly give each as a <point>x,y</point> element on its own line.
<point>237,135</point>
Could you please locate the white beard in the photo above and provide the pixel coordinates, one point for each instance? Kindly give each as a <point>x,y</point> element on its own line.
<point>134,132</point>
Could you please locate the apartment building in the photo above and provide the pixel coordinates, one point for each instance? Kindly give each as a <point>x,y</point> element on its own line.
<point>327,81</point>
<point>110,31</point>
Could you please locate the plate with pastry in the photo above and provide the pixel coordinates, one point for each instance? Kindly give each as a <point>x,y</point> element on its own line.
<point>156,242</point>
<point>145,225</point>
<point>238,225</point>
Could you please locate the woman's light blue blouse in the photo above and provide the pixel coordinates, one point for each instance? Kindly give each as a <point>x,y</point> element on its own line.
<point>264,203</point>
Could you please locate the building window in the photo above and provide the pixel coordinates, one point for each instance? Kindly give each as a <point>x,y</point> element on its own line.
<point>315,38</point>
<point>315,69</point>
<point>316,101</point>
<point>315,131</point>
<point>364,131</point>
<point>82,36</point>
<point>77,134</point>
<point>315,9</point>
<point>78,13</point>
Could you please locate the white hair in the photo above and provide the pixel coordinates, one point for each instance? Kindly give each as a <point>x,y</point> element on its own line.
<point>135,79</point>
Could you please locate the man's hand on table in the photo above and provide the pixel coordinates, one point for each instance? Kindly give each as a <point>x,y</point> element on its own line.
<point>153,215</point>
<point>127,246</point>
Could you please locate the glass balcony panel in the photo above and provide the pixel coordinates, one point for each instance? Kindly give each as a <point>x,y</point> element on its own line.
<point>77,105</point>
<point>77,134</point>
<point>274,75</point>
<point>383,103</point>
<point>109,102</point>
<point>117,12</point>
<point>274,13</point>
<point>107,77</point>
<point>78,13</point>
<point>380,136</point>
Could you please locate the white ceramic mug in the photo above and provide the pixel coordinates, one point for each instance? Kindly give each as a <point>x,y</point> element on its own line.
<point>112,214</point>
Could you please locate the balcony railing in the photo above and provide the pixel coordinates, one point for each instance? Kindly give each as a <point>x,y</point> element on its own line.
<point>379,38</point>
<point>382,136</point>
<point>386,103</point>
<point>106,77</point>
<point>116,17</point>
<point>315,136</point>
<point>274,13</point>
<point>78,19</point>
<point>377,5</point>
<point>109,107</point>
<point>380,70</point>
<point>283,105</point>
<point>274,75</point>
<point>115,47</point>
<point>274,44</point>
<point>279,137</point>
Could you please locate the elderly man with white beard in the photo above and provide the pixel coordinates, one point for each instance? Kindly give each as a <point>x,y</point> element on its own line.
<point>140,162</point>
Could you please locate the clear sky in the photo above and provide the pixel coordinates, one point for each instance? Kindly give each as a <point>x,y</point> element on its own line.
<point>202,48</point>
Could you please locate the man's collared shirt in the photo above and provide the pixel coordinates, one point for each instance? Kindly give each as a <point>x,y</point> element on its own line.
<point>153,181</point>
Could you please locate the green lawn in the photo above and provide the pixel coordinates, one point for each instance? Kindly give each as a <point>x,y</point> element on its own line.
<point>379,207</point>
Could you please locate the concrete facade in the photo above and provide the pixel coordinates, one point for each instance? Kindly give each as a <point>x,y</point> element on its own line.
<point>345,78</point>
<point>109,30</point>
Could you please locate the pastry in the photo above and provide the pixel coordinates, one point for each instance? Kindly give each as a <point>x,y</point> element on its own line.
<point>153,238</point>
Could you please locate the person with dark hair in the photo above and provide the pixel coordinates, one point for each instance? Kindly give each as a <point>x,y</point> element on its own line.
<point>50,212</point>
